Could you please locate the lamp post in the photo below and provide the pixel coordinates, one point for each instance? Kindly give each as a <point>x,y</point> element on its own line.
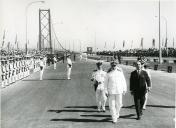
<point>26,10</point>
<point>166,25</point>
<point>160,51</point>
<point>166,33</point>
<point>80,45</point>
<point>95,42</point>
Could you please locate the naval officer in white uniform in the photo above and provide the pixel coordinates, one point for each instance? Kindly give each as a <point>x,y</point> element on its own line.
<point>98,77</point>
<point>41,68</point>
<point>115,86</point>
<point>69,67</point>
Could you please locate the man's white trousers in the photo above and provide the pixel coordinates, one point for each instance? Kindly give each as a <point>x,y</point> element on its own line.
<point>41,74</point>
<point>115,104</point>
<point>101,99</point>
<point>68,72</point>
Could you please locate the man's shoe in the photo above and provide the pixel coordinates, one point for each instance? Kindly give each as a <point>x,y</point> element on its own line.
<point>99,110</point>
<point>141,113</point>
<point>114,122</point>
<point>138,118</point>
<point>103,110</point>
<point>144,108</point>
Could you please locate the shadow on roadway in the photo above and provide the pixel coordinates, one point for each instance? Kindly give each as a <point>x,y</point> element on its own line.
<point>93,107</point>
<point>95,115</point>
<point>82,120</point>
<point>107,119</point>
<point>44,79</point>
<point>129,107</point>
<point>130,116</point>
<point>159,106</point>
<point>59,111</point>
<point>122,116</point>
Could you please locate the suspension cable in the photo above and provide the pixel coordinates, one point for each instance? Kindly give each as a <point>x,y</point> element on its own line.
<point>57,38</point>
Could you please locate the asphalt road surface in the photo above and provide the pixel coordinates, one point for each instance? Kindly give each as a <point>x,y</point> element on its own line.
<point>59,103</point>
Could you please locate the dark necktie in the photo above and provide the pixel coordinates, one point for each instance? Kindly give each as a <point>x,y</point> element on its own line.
<point>138,72</point>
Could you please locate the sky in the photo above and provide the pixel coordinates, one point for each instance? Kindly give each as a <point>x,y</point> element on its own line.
<point>79,24</point>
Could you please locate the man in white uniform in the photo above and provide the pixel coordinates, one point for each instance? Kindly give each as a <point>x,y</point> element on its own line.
<point>80,57</point>
<point>41,68</point>
<point>69,67</point>
<point>45,60</point>
<point>55,61</point>
<point>3,73</point>
<point>99,77</point>
<point>115,86</point>
<point>10,70</point>
<point>7,73</point>
<point>85,56</point>
<point>14,71</point>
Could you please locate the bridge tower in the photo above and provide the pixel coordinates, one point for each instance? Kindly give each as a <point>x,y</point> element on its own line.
<point>45,31</point>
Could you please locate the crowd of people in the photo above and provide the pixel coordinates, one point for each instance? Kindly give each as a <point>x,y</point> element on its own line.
<point>151,52</point>
<point>15,68</point>
<point>18,66</point>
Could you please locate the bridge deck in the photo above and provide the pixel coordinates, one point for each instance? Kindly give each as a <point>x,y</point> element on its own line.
<point>59,103</point>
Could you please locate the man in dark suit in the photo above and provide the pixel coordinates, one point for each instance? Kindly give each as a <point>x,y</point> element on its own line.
<point>139,84</point>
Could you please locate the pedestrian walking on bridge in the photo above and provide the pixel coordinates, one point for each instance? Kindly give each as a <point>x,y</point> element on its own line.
<point>55,61</point>
<point>98,77</point>
<point>115,86</point>
<point>74,56</point>
<point>69,67</point>
<point>41,68</point>
<point>139,84</point>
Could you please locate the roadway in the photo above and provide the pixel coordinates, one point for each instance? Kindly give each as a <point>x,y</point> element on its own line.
<point>59,103</point>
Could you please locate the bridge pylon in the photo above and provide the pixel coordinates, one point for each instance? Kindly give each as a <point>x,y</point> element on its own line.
<point>45,42</point>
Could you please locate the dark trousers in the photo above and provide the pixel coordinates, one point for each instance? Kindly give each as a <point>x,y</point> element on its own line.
<point>139,102</point>
<point>63,59</point>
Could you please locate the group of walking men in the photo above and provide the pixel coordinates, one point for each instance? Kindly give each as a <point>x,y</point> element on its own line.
<point>112,85</point>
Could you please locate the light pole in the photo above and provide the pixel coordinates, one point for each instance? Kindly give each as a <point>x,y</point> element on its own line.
<point>160,52</point>
<point>166,25</point>
<point>73,46</point>
<point>26,10</point>
<point>164,18</point>
<point>166,33</point>
<point>95,42</point>
<point>80,45</point>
